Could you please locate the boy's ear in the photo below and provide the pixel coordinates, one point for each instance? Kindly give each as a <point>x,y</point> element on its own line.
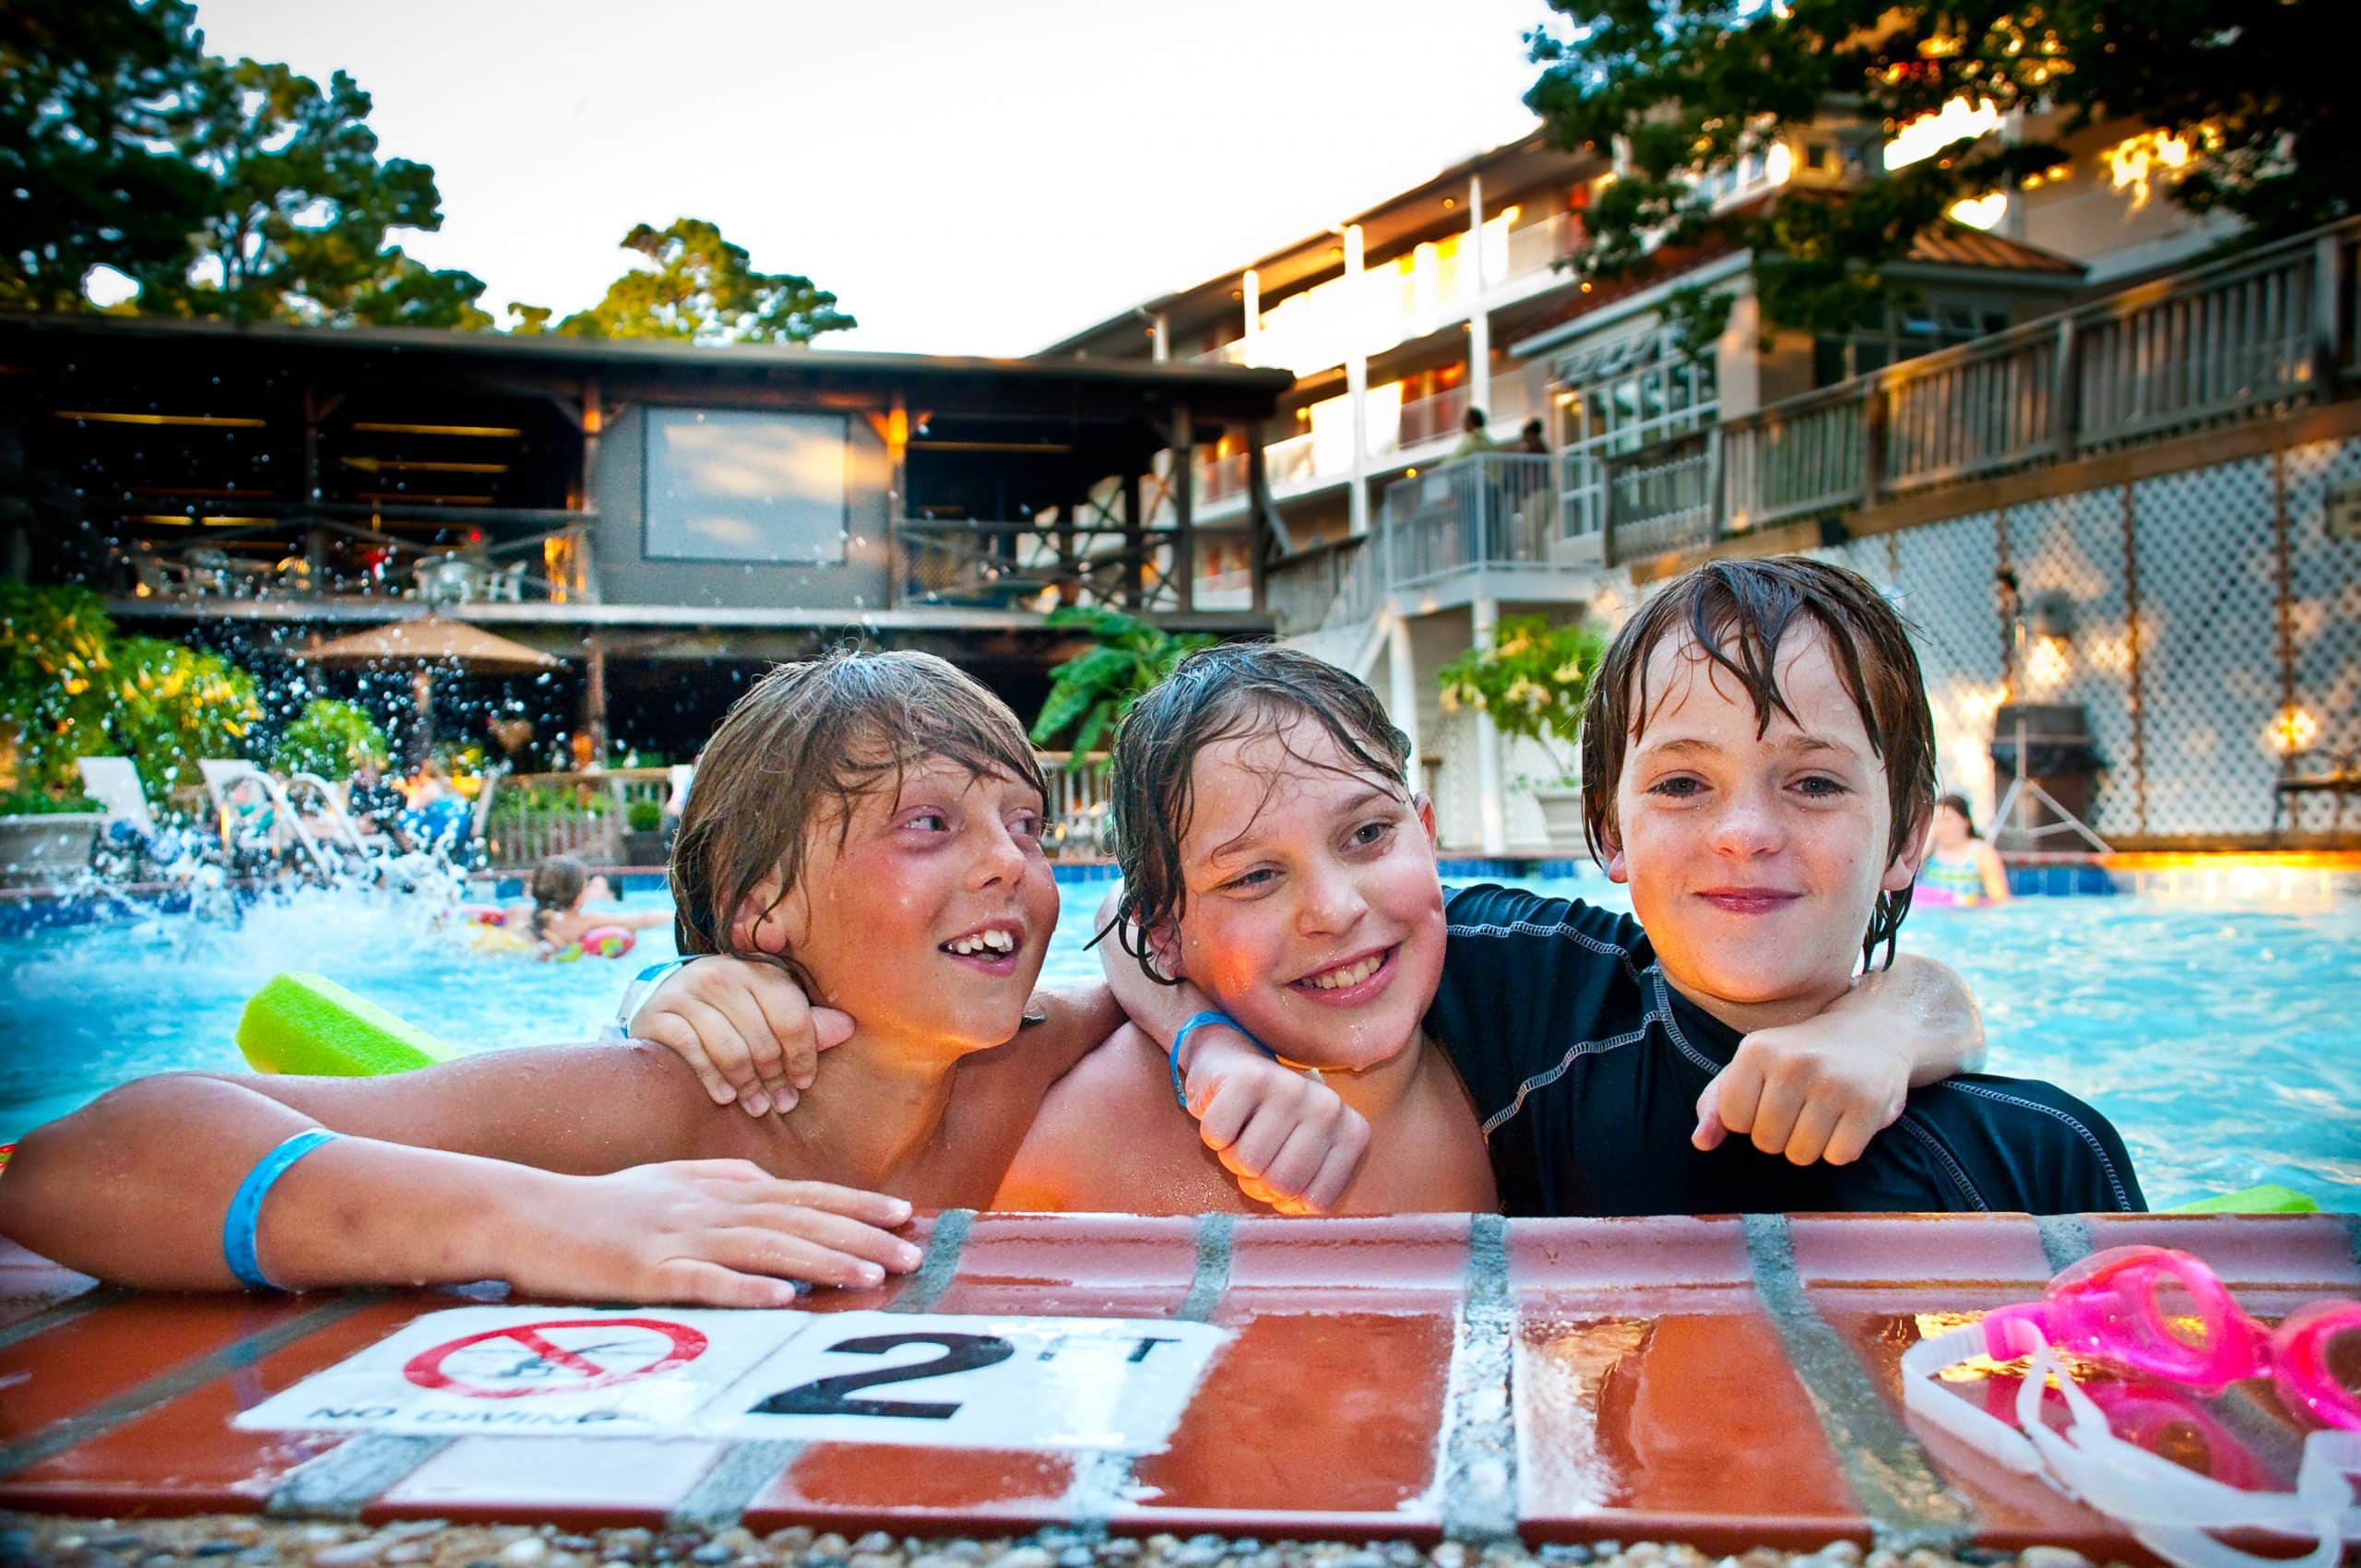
<point>1612,843</point>
<point>1163,942</point>
<point>760,922</point>
<point>1425,806</point>
<point>1911,853</point>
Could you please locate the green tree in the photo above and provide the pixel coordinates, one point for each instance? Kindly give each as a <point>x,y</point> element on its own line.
<point>1089,693</point>
<point>697,286</point>
<point>1533,680</point>
<point>55,668</point>
<point>88,176</point>
<point>1682,89</point>
<point>174,705</point>
<point>330,738</point>
<point>294,226</point>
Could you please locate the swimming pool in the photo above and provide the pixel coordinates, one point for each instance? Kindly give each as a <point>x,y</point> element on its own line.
<point>2223,1039</point>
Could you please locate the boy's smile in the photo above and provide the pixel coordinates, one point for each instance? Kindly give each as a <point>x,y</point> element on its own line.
<point>1314,915</point>
<point>929,920</point>
<point>1755,855</point>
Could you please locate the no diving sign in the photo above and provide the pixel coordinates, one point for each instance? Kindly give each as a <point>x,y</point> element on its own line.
<point>931,1380</point>
<point>525,1369</point>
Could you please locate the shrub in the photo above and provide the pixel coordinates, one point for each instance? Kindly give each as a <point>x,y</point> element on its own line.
<point>644,815</point>
<point>41,803</point>
<point>1533,681</point>
<point>331,738</point>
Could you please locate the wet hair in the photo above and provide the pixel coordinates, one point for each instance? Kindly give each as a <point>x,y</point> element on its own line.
<point>1738,611</point>
<point>557,883</point>
<point>1966,812</point>
<point>807,741</point>
<point>1219,694</point>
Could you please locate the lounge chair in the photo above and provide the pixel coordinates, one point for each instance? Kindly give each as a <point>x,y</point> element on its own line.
<point>2334,774</point>
<point>113,782</point>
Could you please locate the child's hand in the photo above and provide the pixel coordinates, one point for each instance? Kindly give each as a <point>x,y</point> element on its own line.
<point>716,1232</point>
<point>1288,1138</point>
<point>745,1030</point>
<point>1810,1091</point>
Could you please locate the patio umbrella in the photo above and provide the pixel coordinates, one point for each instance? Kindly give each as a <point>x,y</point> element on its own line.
<point>423,644</point>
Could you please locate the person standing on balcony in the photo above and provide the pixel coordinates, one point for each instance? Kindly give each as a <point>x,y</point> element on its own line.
<point>1530,440</point>
<point>1475,439</point>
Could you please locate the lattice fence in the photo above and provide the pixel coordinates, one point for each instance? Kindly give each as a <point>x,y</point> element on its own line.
<point>2208,647</point>
<point>2324,609</point>
<point>1942,576</point>
<point>2073,545</point>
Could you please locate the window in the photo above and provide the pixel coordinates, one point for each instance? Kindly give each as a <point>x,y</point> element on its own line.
<point>1907,332</point>
<point>745,486</point>
<point>1628,394</point>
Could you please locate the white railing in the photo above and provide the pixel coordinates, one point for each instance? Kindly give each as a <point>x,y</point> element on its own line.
<point>1495,510</point>
<point>1666,498</point>
<point>1076,813</point>
<point>1291,461</point>
<point>2247,337</point>
<point>1537,247</point>
<point>1221,477</point>
<point>534,816</point>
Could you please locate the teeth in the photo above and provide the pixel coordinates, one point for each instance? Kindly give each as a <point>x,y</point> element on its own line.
<point>1351,974</point>
<point>993,940</point>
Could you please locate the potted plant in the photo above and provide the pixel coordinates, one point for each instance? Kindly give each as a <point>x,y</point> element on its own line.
<point>643,839</point>
<point>1533,680</point>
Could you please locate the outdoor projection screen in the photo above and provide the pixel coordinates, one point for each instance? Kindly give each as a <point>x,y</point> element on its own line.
<point>735,485</point>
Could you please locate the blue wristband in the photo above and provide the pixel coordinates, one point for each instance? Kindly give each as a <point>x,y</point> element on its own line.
<point>1180,1037</point>
<point>239,1225</point>
<point>619,1031</point>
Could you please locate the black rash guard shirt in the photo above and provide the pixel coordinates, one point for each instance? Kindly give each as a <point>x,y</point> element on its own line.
<point>1585,1066</point>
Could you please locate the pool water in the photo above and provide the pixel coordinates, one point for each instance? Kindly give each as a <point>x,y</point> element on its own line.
<point>2224,1040</point>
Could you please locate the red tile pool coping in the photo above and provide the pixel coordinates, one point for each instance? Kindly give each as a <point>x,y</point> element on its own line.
<point>1724,1382</point>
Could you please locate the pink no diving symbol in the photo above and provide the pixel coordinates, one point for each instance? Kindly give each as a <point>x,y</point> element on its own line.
<point>531,1358</point>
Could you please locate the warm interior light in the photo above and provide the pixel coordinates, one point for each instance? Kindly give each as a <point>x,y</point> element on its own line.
<point>1957,121</point>
<point>375,465</point>
<point>95,416</point>
<point>1984,211</point>
<point>496,431</point>
<point>1778,163</point>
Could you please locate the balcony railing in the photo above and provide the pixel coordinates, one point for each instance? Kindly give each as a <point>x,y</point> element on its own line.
<point>1291,461</point>
<point>1498,510</point>
<point>2248,338</point>
<point>263,561</point>
<point>1221,476</point>
<point>1664,498</point>
<point>1540,245</point>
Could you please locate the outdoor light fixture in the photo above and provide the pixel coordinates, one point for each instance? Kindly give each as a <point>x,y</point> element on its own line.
<point>95,416</point>
<point>377,428</point>
<point>2051,616</point>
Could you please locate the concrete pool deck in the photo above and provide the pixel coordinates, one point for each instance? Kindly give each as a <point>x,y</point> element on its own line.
<point>1724,1382</point>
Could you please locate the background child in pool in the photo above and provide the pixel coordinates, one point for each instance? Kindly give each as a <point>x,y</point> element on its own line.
<point>568,903</point>
<point>1962,867</point>
<point>1251,748</point>
<point>869,824</point>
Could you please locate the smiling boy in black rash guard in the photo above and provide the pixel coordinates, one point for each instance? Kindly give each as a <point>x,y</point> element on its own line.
<point>1758,767</point>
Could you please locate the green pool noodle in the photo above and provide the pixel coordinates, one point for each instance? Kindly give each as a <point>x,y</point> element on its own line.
<point>2269,1198</point>
<point>308,1024</point>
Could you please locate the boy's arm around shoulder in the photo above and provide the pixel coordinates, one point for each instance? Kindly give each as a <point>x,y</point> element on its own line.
<point>537,1167</point>
<point>1108,1139</point>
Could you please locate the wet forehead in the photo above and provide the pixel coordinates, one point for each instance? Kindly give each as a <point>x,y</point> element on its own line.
<point>1268,785</point>
<point>1690,697</point>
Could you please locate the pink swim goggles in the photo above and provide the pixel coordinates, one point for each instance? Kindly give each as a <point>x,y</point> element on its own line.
<point>2163,1313</point>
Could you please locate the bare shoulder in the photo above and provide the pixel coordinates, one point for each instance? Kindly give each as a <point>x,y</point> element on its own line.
<point>1110,1138</point>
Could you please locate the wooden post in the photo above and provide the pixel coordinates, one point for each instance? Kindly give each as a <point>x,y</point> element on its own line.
<point>1258,508</point>
<point>594,695</point>
<point>1184,492</point>
<point>2330,302</point>
<point>1872,443</point>
<point>1134,546</point>
<point>594,421</point>
<point>1069,560</point>
<point>2065,389</point>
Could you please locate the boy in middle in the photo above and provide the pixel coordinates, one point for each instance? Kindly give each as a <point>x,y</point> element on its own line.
<point>1268,831</point>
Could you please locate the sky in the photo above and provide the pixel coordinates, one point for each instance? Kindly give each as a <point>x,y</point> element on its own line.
<point>980,178</point>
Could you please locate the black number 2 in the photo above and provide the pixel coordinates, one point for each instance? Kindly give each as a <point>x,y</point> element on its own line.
<point>826,1395</point>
